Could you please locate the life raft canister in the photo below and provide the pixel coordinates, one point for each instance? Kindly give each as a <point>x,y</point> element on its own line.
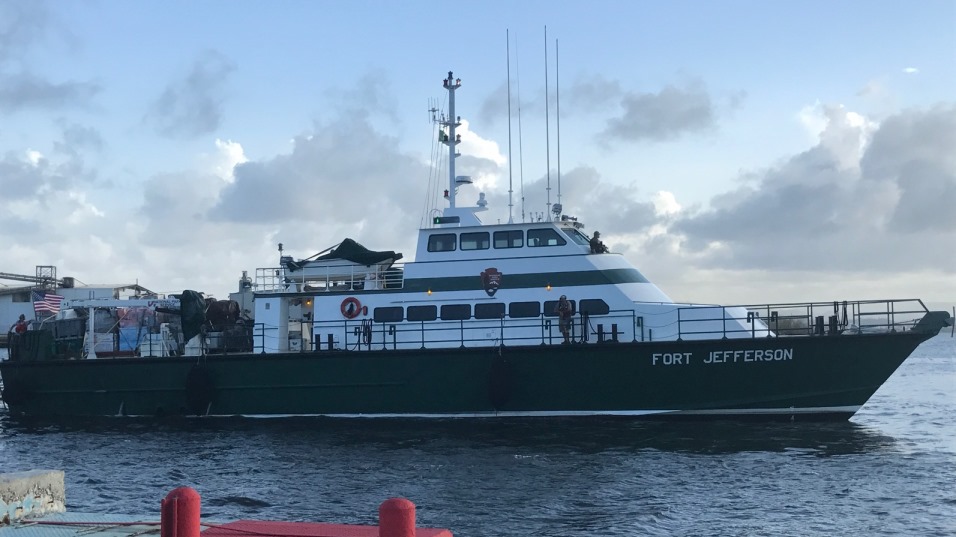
<point>351,307</point>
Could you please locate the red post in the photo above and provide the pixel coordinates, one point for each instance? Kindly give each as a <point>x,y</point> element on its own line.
<point>396,518</point>
<point>179,513</point>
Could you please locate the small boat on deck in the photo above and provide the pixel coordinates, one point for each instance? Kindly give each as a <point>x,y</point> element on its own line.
<point>521,319</point>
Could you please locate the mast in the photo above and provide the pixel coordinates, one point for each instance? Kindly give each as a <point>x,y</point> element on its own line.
<point>510,180</point>
<point>451,139</point>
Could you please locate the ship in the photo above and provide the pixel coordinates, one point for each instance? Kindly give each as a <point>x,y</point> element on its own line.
<point>503,320</point>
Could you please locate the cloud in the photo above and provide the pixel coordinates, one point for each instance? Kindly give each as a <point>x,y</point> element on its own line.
<point>914,152</point>
<point>614,209</point>
<point>495,105</point>
<point>481,158</point>
<point>43,200</point>
<point>192,106</point>
<point>174,207</point>
<point>328,175</point>
<point>821,210</point>
<point>25,90</point>
<point>591,93</point>
<point>21,25</point>
<point>345,177</point>
<point>666,115</point>
<point>21,178</point>
<point>910,70</point>
<point>370,96</point>
<point>840,132</point>
<point>77,138</point>
<point>872,88</point>
<point>229,155</point>
<point>665,203</point>
<point>342,179</point>
<point>31,175</point>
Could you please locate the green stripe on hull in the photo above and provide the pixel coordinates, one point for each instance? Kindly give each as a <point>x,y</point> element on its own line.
<point>719,377</point>
<point>528,281</point>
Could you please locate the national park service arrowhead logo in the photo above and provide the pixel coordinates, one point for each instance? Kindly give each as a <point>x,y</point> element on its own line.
<point>491,280</point>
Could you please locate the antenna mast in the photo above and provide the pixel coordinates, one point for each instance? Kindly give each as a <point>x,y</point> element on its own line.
<point>547,110</point>
<point>451,139</point>
<point>510,189</point>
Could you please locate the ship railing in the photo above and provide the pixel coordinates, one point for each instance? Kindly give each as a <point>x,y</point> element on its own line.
<point>682,322</point>
<point>543,329</point>
<point>331,277</point>
<point>359,334</point>
<point>462,333</point>
<point>799,319</point>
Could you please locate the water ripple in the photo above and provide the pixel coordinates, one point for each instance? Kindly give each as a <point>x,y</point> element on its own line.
<point>887,472</point>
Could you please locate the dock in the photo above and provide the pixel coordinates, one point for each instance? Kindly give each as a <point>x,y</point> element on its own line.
<point>32,504</point>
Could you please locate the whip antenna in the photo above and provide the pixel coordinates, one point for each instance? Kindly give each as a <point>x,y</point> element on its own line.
<point>547,110</point>
<point>520,145</point>
<point>510,189</point>
<point>557,102</point>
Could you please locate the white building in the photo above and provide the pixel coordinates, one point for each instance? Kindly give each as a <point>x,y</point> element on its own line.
<point>18,299</point>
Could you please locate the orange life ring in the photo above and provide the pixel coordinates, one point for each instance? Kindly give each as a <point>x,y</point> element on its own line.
<point>351,307</point>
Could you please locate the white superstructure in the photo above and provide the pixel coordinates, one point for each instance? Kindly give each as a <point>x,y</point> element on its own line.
<point>474,285</point>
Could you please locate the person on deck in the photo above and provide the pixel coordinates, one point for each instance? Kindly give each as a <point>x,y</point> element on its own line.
<point>563,309</point>
<point>597,247</point>
<point>21,325</point>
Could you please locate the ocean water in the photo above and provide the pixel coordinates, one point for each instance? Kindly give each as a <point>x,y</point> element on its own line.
<point>891,470</point>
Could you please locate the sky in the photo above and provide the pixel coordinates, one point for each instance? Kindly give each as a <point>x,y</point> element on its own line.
<point>736,152</point>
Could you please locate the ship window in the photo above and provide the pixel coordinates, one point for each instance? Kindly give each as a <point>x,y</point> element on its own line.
<point>491,310</point>
<point>524,309</point>
<point>545,237</point>
<point>594,306</point>
<point>390,314</point>
<point>475,241</point>
<point>455,312</point>
<point>21,297</point>
<point>551,308</point>
<point>509,239</point>
<point>577,236</point>
<point>422,313</point>
<point>442,242</point>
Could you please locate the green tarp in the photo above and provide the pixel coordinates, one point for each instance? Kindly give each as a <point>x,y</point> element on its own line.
<point>192,308</point>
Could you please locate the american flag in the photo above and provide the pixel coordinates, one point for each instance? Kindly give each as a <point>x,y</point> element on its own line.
<point>44,302</point>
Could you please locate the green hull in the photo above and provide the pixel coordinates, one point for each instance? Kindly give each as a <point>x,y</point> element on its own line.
<point>822,377</point>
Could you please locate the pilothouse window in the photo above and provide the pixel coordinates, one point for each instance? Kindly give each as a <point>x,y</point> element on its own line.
<point>442,242</point>
<point>475,241</point>
<point>509,239</point>
<point>545,237</point>
<point>577,236</point>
